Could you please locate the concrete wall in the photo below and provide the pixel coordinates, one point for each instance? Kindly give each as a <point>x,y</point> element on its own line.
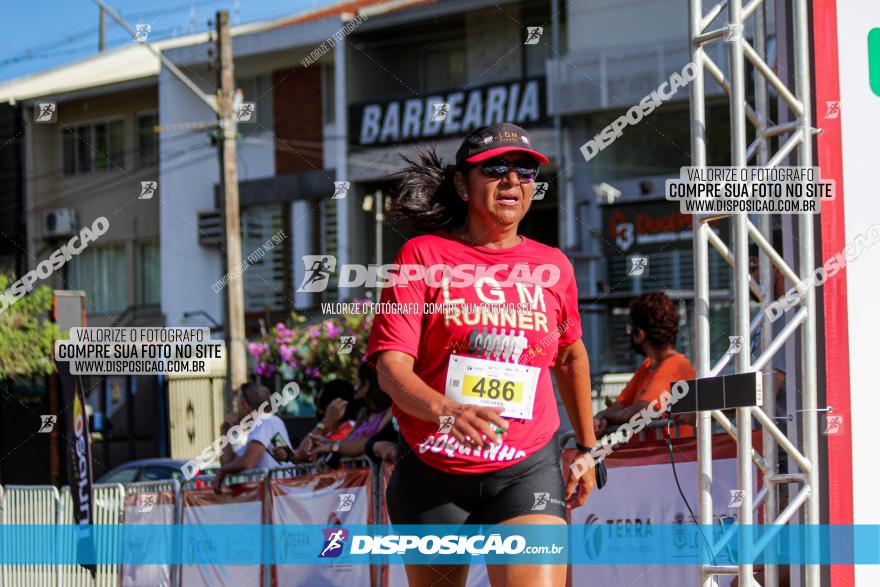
<point>605,24</point>
<point>112,193</point>
<point>494,45</point>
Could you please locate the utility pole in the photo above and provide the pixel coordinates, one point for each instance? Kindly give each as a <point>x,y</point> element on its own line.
<point>222,105</point>
<point>226,116</point>
<point>101,29</point>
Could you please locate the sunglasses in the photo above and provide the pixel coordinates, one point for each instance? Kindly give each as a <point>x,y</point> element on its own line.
<point>499,168</point>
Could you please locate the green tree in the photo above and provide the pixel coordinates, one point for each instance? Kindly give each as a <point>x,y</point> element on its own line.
<point>27,335</point>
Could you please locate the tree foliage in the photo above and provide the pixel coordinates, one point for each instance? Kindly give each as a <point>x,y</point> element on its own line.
<point>27,335</point>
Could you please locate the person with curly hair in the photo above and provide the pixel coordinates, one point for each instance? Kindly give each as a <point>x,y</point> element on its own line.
<point>652,328</point>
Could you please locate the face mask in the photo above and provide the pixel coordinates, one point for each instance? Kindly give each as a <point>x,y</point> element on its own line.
<point>635,347</point>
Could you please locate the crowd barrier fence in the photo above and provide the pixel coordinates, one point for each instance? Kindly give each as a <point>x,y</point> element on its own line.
<point>299,494</point>
<point>37,504</point>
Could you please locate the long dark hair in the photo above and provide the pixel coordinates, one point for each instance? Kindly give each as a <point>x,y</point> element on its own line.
<point>427,199</point>
<point>337,388</point>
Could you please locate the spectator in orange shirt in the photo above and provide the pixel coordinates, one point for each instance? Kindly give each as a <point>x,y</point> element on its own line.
<point>653,326</point>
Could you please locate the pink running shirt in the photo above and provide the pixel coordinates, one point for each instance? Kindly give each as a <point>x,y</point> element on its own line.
<point>432,337</point>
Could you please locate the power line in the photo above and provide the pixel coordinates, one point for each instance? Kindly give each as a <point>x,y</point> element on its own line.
<point>38,51</point>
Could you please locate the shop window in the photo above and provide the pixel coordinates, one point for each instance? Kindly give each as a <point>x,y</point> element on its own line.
<point>147,140</point>
<point>149,273</point>
<point>257,89</point>
<point>96,146</point>
<point>101,273</point>
<point>443,66</point>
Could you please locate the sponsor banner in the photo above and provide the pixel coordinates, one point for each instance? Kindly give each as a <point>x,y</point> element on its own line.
<point>446,113</point>
<point>648,226</point>
<point>152,506</point>
<point>231,554</point>
<point>642,496</point>
<point>217,535</point>
<point>329,500</point>
<point>79,459</point>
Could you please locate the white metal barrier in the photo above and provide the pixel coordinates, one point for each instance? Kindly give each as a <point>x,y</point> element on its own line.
<point>150,502</point>
<point>610,385</point>
<point>46,505</point>
<point>108,511</point>
<point>36,504</point>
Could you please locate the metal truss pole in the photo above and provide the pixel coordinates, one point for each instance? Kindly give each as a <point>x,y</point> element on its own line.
<point>806,261</point>
<point>701,283</point>
<point>741,279</point>
<point>770,452</point>
<point>791,136</point>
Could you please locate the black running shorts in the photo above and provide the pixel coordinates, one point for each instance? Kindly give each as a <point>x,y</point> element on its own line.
<point>420,494</point>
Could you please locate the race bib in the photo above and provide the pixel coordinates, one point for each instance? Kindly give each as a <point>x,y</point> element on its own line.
<point>488,383</point>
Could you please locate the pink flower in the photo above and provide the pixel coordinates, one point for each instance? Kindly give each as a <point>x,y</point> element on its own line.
<point>283,334</point>
<point>256,349</point>
<point>332,330</point>
<point>314,332</point>
<point>286,353</point>
<point>265,370</point>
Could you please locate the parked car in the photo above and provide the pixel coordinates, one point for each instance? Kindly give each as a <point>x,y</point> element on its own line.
<point>145,470</point>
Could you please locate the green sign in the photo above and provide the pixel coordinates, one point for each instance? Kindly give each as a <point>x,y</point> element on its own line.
<point>874,60</point>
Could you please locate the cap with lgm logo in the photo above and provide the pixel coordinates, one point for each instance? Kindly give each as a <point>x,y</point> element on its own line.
<point>491,141</point>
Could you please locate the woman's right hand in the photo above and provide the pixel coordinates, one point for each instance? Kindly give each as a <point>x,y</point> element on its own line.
<point>334,413</point>
<point>472,422</point>
<point>600,425</point>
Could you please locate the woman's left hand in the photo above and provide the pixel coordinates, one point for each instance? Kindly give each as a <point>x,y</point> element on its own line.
<point>320,446</point>
<point>578,488</point>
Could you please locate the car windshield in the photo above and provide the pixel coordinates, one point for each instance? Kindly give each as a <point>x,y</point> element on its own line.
<point>126,475</point>
<point>159,473</point>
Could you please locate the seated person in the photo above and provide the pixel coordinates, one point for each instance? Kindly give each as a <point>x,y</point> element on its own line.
<point>653,326</point>
<point>268,431</point>
<point>336,411</point>
<point>373,417</point>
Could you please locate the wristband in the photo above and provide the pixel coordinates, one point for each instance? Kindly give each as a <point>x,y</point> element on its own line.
<point>320,426</point>
<point>601,471</point>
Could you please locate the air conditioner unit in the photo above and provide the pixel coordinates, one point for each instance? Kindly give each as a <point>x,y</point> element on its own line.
<point>59,222</point>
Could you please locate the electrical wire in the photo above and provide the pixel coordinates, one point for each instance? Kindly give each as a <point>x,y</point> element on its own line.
<point>681,492</point>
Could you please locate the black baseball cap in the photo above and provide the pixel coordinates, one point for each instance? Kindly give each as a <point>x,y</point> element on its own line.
<point>490,141</point>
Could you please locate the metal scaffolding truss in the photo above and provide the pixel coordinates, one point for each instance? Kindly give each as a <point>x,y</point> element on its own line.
<point>795,135</point>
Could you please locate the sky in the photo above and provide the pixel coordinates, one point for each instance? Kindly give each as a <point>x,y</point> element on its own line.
<point>42,34</point>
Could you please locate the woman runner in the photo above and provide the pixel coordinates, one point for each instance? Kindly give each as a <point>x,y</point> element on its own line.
<point>471,384</point>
